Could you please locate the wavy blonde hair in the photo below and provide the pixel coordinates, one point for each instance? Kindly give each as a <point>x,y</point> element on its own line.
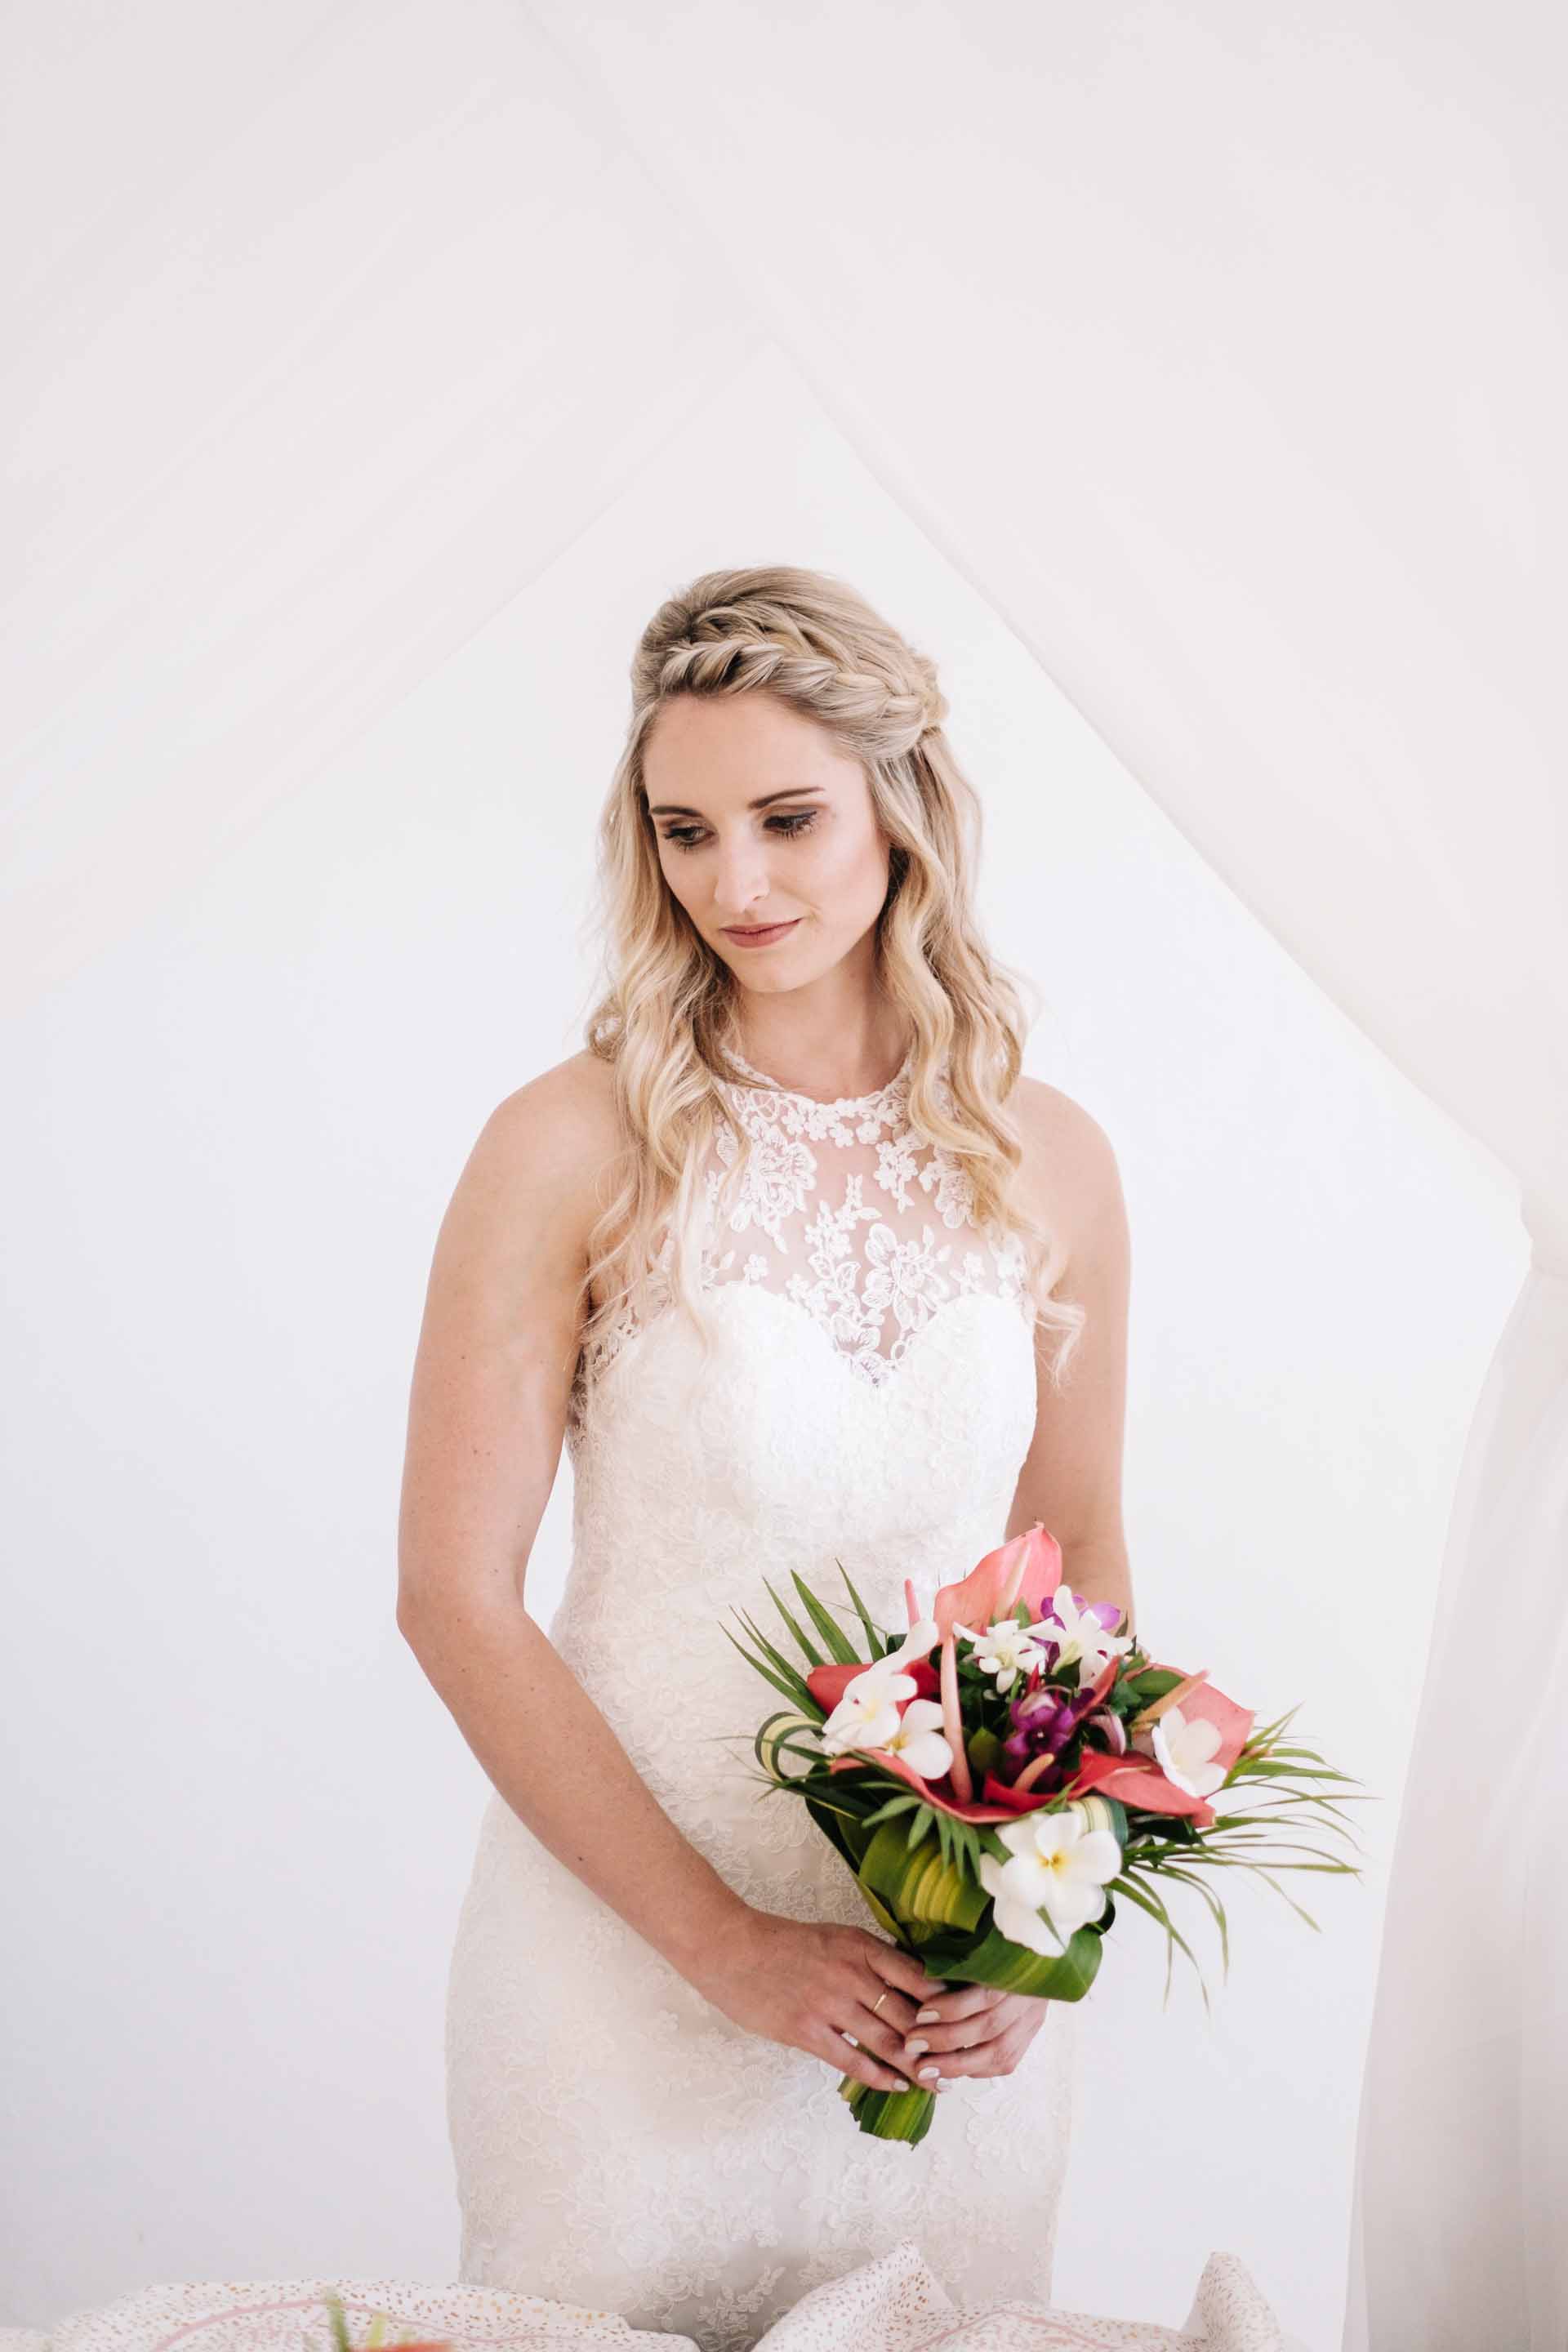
<point>665,1018</point>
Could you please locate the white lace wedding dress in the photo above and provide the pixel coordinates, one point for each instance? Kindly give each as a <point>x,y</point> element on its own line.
<point>619,2143</point>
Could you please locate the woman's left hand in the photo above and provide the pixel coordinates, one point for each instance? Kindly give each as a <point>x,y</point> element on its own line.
<point>977,2030</point>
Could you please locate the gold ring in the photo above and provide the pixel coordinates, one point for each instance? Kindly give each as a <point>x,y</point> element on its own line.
<point>881,1997</point>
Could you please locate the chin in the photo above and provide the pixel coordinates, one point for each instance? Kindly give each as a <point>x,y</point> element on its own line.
<point>758,983</point>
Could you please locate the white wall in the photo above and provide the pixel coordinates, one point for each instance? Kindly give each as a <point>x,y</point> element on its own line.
<point>241,1820</point>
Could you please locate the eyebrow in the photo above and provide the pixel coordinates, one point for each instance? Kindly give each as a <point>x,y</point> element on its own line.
<point>790,793</point>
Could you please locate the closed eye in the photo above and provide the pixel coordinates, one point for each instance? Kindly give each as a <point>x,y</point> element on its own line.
<point>791,827</point>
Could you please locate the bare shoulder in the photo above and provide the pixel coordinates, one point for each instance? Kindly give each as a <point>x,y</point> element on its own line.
<point>545,1158</point>
<point>563,1119</point>
<point>1069,1161</point>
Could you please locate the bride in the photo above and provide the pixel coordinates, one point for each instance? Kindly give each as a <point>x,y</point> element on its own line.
<point>802,1271</point>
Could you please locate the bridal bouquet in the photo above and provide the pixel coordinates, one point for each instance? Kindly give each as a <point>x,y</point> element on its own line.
<point>994,1805</point>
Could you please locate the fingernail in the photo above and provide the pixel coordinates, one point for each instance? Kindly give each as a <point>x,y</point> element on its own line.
<point>912,2048</point>
<point>925,2017</point>
<point>928,2073</point>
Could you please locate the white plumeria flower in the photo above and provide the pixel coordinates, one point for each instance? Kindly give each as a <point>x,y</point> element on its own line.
<point>868,1713</point>
<point>919,1739</point>
<point>1082,1639</point>
<point>1183,1750</point>
<point>917,1642</point>
<point>1057,1868</point>
<point>1006,1649</point>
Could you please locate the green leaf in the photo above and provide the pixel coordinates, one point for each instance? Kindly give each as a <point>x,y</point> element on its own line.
<point>813,1653</point>
<point>1285,1898</point>
<point>878,1910</point>
<point>1216,1906</point>
<point>906,1803</point>
<point>889,2114</point>
<point>840,1647</point>
<point>1151,1683</point>
<point>785,1666</point>
<point>873,1634</point>
<point>995,1960</point>
<point>780,1741</point>
<point>919,1884</point>
<point>1146,1898</point>
<point>793,1688</point>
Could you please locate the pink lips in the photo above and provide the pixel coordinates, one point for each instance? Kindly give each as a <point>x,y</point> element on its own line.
<point>759,938</point>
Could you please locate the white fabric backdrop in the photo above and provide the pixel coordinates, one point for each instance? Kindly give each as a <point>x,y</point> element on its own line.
<point>1219,351</point>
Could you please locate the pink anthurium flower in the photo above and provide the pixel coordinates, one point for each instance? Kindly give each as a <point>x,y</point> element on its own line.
<point>1134,1781</point>
<point>1017,1801</point>
<point>1027,1569</point>
<point>962,1809</point>
<point>1203,1704</point>
<point>952,1723</point>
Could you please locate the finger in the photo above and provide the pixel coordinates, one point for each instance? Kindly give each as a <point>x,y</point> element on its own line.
<point>842,2050</point>
<point>881,2031</point>
<point>965,2033</point>
<point>897,1967</point>
<point>887,2006</point>
<point>996,2055</point>
<point>959,2001</point>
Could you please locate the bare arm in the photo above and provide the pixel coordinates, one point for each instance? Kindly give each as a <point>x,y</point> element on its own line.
<point>487,1419</point>
<point>1072,1476</point>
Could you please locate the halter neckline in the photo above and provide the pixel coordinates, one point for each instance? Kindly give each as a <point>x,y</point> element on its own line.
<point>877,1095</point>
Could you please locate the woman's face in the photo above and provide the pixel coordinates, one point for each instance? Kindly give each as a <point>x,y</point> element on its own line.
<point>762,820</point>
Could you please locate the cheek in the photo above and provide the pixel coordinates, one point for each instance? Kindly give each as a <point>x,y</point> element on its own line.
<point>851,869</point>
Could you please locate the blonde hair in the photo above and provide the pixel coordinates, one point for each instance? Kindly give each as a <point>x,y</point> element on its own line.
<point>666,1020</point>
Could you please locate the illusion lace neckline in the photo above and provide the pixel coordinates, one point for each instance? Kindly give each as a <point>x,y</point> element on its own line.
<point>878,1095</point>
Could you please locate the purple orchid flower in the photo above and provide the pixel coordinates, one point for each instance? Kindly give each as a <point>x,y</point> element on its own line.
<point>1044,1720</point>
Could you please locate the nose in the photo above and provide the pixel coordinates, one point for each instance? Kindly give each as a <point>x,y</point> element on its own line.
<point>741,883</point>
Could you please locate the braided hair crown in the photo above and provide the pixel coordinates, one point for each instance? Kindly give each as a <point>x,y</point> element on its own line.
<point>806,636</point>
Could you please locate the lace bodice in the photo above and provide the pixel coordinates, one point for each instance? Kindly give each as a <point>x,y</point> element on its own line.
<point>845,1210</point>
<point>868,1398</point>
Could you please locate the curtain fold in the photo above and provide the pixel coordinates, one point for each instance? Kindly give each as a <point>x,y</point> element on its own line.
<point>1462,2155</point>
<point>304,391</point>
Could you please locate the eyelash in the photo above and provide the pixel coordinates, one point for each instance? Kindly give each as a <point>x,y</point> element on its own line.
<point>800,822</point>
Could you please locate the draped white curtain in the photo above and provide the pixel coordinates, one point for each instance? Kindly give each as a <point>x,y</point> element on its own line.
<point>1221,348</point>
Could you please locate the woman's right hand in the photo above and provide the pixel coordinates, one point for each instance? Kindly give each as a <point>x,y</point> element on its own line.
<point>808,1983</point>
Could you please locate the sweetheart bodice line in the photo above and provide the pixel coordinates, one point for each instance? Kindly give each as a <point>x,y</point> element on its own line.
<point>846,1209</point>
